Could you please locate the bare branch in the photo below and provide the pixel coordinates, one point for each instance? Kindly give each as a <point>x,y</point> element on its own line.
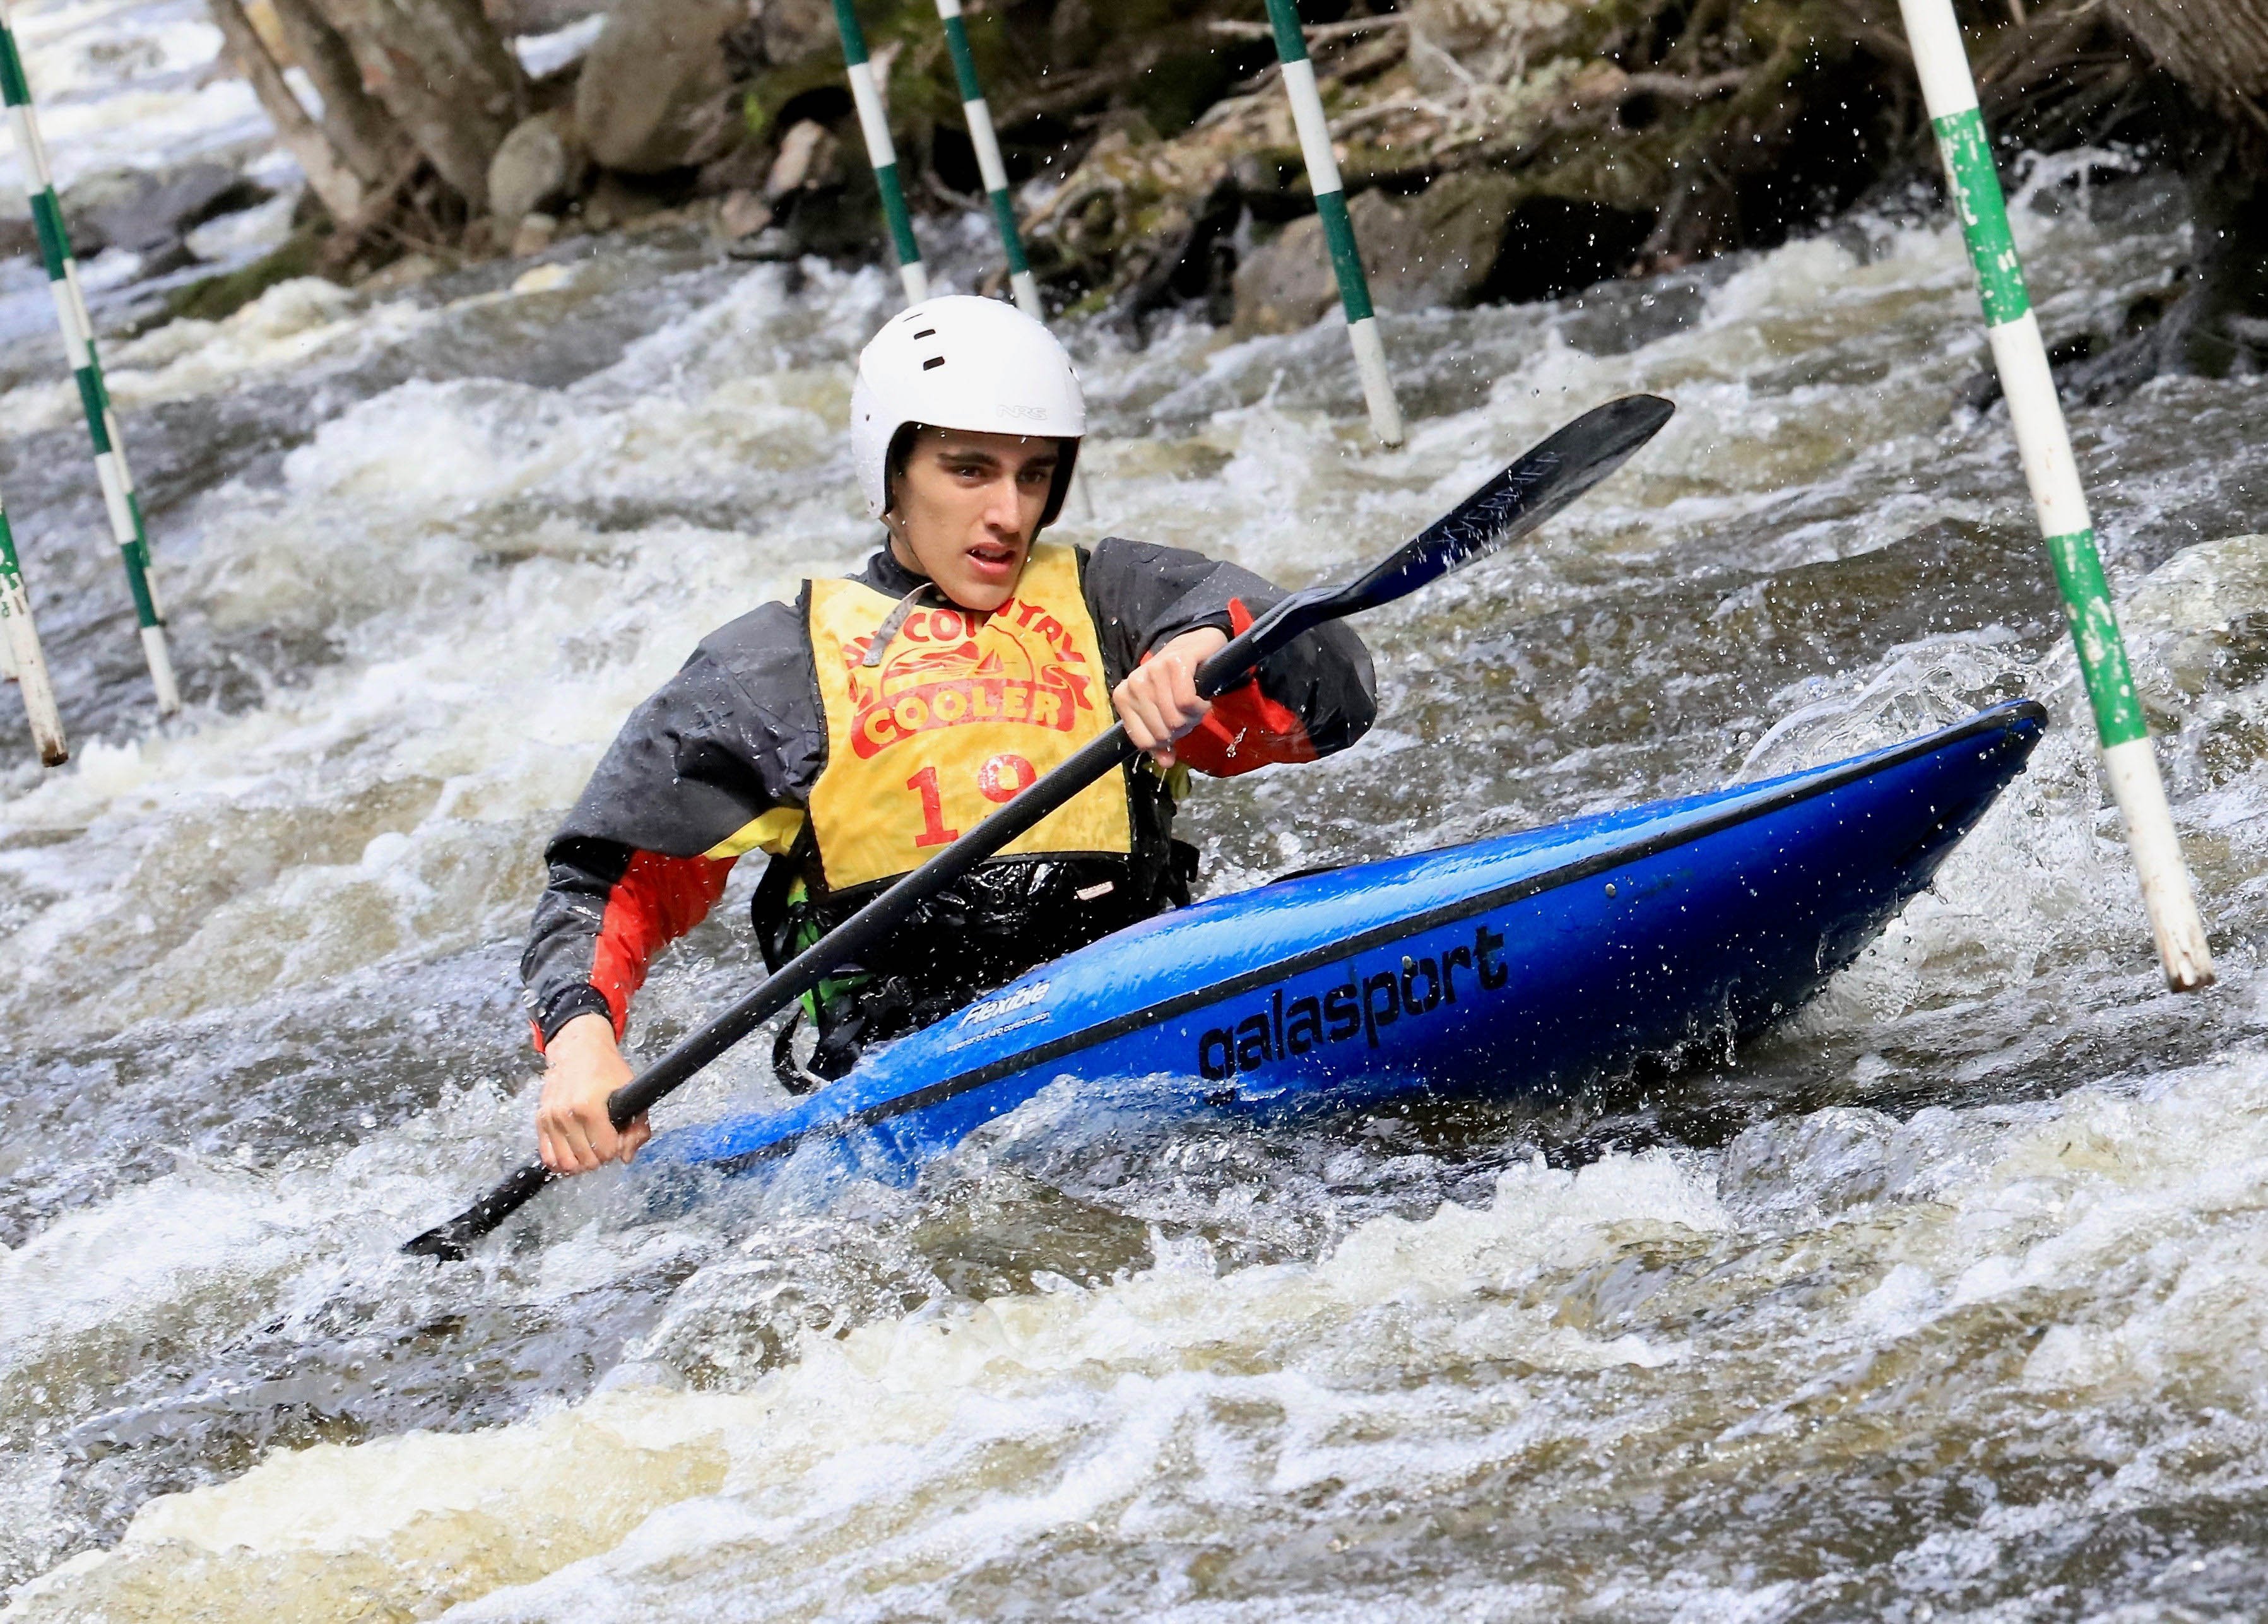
<point>332,180</point>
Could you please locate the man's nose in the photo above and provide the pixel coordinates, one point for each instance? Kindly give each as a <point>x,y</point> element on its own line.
<point>1003,511</point>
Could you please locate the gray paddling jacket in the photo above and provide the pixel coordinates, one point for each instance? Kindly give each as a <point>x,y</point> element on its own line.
<point>731,747</point>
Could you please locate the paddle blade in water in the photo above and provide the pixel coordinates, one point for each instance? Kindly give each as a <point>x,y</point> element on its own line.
<point>450,1242</point>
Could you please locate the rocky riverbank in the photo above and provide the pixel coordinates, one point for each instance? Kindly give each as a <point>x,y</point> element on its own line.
<point>1494,149</point>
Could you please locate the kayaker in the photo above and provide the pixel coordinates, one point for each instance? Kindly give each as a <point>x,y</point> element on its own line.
<point>852,733</point>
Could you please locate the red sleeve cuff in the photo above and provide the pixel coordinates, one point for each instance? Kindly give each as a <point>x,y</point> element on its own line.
<point>1246,728</point>
<point>580,999</point>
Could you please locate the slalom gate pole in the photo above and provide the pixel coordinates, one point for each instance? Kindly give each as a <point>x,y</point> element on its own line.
<point>980,135</point>
<point>22,659</point>
<point>874,124</point>
<point>1338,230</point>
<point>118,495</point>
<point>978,112</point>
<point>2044,442</point>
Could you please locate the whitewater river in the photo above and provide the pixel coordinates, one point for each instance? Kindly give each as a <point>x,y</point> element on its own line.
<point>1948,1300</point>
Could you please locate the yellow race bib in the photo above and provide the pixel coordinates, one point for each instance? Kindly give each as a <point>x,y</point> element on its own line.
<point>963,711</point>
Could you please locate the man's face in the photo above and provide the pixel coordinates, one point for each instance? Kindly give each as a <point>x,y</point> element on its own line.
<point>966,507</point>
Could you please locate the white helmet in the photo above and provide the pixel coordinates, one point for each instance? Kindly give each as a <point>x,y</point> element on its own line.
<point>960,361</point>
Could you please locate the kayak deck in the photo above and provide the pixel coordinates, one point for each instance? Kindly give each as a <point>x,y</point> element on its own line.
<point>1540,960</point>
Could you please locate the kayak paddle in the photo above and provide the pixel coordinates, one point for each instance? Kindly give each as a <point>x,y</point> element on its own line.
<point>1511,503</point>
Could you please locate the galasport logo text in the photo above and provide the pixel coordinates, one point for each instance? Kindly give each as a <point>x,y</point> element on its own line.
<point>947,668</point>
<point>1359,1007</point>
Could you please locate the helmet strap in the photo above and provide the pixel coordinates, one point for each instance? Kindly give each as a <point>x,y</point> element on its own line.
<point>1059,488</point>
<point>902,546</point>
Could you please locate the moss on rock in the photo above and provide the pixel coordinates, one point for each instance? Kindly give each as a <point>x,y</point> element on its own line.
<point>216,298</point>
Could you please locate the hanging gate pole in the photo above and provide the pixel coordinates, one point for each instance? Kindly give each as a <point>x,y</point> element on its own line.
<point>1338,230</point>
<point>118,494</point>
<point>874,124</point>
<point>20,658</point>
<point>2044,442</point>
<point>978,112</point>
<point>982,136</point>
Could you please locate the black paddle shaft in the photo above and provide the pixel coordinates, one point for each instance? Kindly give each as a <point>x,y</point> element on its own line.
<point>1513,503</point>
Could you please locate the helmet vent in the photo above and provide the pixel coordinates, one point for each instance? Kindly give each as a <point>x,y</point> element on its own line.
<point>932,364</point>
<point>926,333</point>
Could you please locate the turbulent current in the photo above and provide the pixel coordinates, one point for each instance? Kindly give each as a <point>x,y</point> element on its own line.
<point>1945,1300</point>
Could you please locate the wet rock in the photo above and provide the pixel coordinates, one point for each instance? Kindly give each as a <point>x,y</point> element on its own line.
<point>809,155</point>
<point>742,214</point>
<point>1441,247</point>
<point>1286,285</point>
<point>406,272</point>
<point>1143,207</point>
<point>534,233</point>
<point>2210,321</point>
<point>1447,242</point>
<point>612,203</point>
<point>147,214</point>
<point>539,166</point>
<point>2196,630</point>
<point>649,85</point>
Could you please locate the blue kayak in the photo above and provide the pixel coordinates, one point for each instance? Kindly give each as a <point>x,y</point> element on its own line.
<point>1545,960</point>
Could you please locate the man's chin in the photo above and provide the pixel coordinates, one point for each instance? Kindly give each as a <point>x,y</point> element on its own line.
<point>984,588</point>
<point>982,599</point>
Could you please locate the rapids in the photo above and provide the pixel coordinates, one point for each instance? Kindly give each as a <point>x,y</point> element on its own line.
<point>1946,1300</point>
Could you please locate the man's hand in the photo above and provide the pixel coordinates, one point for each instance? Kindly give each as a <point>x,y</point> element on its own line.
<point>582,1067</point>
<point>1159,703</point>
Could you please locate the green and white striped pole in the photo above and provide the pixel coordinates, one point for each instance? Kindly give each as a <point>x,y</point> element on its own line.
<point>982,136</point>
<point>20,659</point>
<point>881,152</point>
<point>1338,230</point>
<point>2044,443</point>
<point>118,495</point>
<point>978,112</point>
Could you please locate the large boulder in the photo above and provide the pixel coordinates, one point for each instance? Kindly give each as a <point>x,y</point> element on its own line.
<point>538,167</point>
<point>1441,247</point>
<point>647,95</point>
